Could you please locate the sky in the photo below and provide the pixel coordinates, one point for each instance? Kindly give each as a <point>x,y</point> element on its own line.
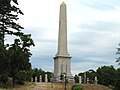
<point>93,32</point>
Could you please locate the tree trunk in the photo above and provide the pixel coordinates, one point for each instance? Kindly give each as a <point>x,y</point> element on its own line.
<point>13,81</point>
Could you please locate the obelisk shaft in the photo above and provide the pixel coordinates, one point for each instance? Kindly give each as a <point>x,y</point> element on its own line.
<point>62,60</point>
<point>62,39</point>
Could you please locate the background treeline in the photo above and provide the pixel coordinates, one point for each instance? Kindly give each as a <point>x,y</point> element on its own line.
<point>24,76</point>
<point>39,72</point>
<point>106,75</point>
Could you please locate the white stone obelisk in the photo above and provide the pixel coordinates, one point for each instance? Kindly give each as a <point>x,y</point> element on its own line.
<point>62,60</point>
<point>62,38</point>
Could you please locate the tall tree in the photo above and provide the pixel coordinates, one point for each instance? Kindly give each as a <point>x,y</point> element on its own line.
<point>4,63</point>
<point>117,83</point>
<point>107,75</point>
<point>8,19</point>
<point>20,55</point>
<point>16,55</point>
<point>118,53</point>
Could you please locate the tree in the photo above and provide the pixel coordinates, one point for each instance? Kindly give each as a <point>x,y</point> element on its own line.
<point>118,53</point>
<point>3,60</point>
<point>117,87</point>
<point>106,75</point>
<point>50,75</point>
<point>89,74</point>
<point>76,78</point>
<point>8,19</point>
<point>4,72</point>
<point>37,72</point>
<point>17,55</point>
<point>19,59</point>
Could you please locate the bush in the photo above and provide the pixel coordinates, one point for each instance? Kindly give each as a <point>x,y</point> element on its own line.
<point>77,87</point>
<point>20,82</point>
<point>111,87</point>
<point>3,78</point>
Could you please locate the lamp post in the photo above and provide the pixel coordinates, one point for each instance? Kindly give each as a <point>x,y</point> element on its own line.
<point>65,81</point>
<point>63,77</point>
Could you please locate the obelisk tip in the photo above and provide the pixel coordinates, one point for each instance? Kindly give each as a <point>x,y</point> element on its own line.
<point>63,2</point>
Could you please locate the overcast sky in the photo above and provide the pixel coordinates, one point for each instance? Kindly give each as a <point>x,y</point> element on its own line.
<point>93,32</point>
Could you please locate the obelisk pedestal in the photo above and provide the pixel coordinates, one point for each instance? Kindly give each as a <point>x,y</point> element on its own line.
<point>62,60</point>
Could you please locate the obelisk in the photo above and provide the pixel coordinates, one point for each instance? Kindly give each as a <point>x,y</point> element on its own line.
<point>62,60</point>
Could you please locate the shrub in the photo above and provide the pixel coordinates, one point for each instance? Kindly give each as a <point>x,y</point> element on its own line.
<point>20,82</point>
<point>111,87</point>
<point>77,87</point>
<point>3,80</point>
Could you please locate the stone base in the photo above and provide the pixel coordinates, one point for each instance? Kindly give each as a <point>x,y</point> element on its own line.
<point>56,79</point>
<point>70,79</point>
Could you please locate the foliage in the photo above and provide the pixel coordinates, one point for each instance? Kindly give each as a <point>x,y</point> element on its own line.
<point>19,57</point>
<point>77,87</point>
<point>8,19</point>
<point>117,87</point>
<point>76,78</point>
<point>118,53</point>
<point>14,58</point>
<point>89,74</point>
<point>106,75</point>
<point>3,79</point>
<point>3,60</point>
<point>4,63</point>
<point>24,75</point>
<point>37,72</point>
<point>50,75</point>
<point>111,87</point>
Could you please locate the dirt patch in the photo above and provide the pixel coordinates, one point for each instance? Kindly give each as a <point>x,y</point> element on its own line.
<point>95,87</point>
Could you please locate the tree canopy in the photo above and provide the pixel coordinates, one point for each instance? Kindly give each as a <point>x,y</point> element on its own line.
<point>118,53</point>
